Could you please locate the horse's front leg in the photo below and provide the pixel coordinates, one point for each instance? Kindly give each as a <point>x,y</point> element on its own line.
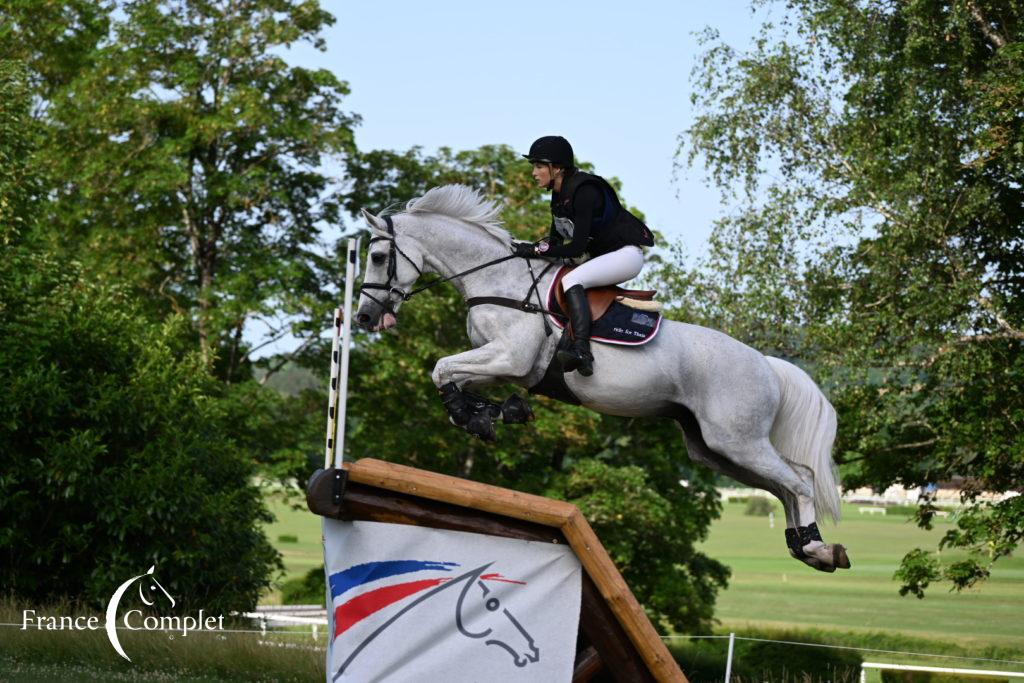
<point>485,365</point>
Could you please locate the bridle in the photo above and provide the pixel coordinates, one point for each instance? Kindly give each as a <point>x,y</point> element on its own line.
<point>393,250</point>
<point>388,287</point>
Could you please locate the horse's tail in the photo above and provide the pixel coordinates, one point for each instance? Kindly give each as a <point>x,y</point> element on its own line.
<point>804,430</point>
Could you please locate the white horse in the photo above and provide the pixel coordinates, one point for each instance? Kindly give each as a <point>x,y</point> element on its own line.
<point>760,420</point>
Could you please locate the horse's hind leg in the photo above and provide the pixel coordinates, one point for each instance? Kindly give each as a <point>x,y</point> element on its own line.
<point>699,452</point>
<point>759,457</point>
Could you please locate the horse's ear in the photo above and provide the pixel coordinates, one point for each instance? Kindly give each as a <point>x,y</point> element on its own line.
<point>376,225</point>
<point>372,221</point>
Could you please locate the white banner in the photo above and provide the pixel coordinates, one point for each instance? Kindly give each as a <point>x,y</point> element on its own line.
<point>408,603</point>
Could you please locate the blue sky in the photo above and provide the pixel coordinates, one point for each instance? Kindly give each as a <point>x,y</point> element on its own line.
<point>612,77</point>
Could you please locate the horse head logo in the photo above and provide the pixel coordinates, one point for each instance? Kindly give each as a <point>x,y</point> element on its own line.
<point>478,614</point>
<point>148,593</point>
<point>502,629</point>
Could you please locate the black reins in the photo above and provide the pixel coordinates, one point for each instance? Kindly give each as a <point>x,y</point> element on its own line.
<point>394,250</point>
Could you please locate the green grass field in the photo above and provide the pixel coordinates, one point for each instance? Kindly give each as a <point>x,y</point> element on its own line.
<point>308,551</point>
<point>768,588</point>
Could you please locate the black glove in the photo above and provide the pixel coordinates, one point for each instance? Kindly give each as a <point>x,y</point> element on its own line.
<point>524,249</point>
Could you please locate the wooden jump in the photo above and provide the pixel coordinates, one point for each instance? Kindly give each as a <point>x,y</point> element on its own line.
<point>616,637</point>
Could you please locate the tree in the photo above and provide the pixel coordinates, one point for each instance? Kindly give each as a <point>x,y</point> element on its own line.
<point>185,158</point>
<point>53,39</point>
<point>879,150</point>
<point>117,445</point>
<point>19,188</point>
<point>623,474</point>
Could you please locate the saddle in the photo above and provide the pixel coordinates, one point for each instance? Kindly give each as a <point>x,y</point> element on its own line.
<point>601,298</point>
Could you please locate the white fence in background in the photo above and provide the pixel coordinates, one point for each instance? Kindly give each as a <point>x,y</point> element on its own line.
<point>936,669</point>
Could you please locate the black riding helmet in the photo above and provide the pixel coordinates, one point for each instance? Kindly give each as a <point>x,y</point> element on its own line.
<point>551,149</point>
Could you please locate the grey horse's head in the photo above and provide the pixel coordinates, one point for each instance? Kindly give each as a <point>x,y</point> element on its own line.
<point>393,264</point>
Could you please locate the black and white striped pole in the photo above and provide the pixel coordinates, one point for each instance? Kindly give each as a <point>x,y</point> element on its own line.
<point>338,392</point>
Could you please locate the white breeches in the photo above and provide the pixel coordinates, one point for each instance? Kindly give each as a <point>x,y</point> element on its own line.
<point>612,268</point>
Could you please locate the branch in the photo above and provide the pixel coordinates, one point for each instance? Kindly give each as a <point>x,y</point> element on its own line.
<point>985,26</point>
<point>273,340</point>
<point>911,446</point>
<point>285,358</point>
<point>170,297</point>
<point>1009,331</point>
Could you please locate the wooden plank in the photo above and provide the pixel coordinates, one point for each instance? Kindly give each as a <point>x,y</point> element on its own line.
<point>620,599</point>
<point>471,494</point>
<point>380,505</point>
<point>603,630</point>
<point>588,665</point>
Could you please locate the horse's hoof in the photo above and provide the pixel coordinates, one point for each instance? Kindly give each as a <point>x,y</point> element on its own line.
<point>839,557</point>
<point>813,562</point>
<point>516,411</point>
<point>482,427</point>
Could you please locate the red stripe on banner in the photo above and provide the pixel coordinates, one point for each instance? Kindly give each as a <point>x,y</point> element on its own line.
<point>362,606</point>
<point>499,577</point>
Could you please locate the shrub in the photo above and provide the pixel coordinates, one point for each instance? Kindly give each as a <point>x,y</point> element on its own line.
<point>311,589</point>
<point>287,538</point>
<point>116,451</point>
<point>703,661</point>
<point>759,506</point>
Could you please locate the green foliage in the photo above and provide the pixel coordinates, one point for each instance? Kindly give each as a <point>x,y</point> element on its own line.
<point>116,451</point>
<point>18,186</point>
<point>879,238</point>
<point>310,589</point>
<point>704,660</point>
<point>382,178</point>
<point>183,157</point>
<point>53,39</point>
<point>759,506</point>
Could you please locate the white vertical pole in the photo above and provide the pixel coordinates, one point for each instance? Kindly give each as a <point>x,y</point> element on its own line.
<point>350,276</point>
<point>332,391</point>
<point>728,661</point>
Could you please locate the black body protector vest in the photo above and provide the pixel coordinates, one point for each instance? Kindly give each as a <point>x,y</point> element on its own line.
<point>613,229</point>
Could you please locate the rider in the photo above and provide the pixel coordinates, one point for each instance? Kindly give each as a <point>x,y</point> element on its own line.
<point>587,220</point>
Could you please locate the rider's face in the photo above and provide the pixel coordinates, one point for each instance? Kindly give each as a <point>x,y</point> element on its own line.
<point>542,174</point>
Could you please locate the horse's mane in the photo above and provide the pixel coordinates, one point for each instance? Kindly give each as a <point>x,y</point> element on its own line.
<point>464,203</point>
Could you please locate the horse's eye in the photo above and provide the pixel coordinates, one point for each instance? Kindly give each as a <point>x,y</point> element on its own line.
<point>378,259</point>
<point>492,604</point>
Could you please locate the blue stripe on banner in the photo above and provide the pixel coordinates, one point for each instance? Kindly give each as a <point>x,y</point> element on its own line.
<point>359,574</point>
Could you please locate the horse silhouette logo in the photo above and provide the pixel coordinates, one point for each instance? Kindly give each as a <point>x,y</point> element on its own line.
<point>147,588</point>
<point>478,612</point>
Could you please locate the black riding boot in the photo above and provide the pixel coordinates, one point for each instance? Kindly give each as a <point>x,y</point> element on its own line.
<point>577,356</point>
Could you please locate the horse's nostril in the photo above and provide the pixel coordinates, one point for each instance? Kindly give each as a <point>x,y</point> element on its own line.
<point>362,318</point>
